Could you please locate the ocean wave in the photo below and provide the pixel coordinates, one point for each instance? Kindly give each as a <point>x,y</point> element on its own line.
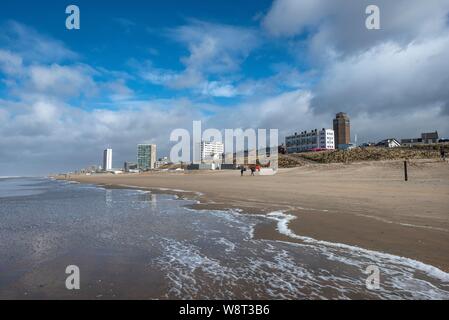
<point>282,226</point>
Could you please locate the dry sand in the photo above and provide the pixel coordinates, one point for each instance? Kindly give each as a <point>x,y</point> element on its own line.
<point>363,204</point>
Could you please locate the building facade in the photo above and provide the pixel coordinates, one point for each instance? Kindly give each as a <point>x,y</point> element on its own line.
<point>309,141</point>
<point>162,162</point>
<point>146,156</point>
<point>426,138</point>
<point>107,160</point>
<point>342,130</point>
<point>211,151</point>
<point>129,166</point>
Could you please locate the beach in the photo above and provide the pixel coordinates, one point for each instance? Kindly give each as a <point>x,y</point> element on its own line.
<point>366,204</point>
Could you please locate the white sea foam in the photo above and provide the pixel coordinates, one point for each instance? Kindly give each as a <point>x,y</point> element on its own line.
<point>181,260</point>
<point>230,246</point>
<point>143,191</point>
<point>160,189</point>
<point>284,278</point>
<point>282,226</point>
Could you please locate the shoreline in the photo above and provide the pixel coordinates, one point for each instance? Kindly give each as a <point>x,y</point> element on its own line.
<point>284,233</point>
<point>347,222</point>
<point>132,243</point>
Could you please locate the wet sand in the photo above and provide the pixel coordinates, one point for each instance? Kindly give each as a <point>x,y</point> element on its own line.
<point>363,204</point>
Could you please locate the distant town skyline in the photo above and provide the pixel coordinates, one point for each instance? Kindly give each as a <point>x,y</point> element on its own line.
<point>137,70</point>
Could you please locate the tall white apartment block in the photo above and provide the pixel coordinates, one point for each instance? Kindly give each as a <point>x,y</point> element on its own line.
<point>107,160</point>
<point>308,141</point>
<point>211,151</point>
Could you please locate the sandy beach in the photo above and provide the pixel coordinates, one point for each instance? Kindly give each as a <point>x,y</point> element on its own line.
<point>364,204</point>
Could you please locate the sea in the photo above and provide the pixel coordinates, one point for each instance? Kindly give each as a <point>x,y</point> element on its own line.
<point>138,244</point>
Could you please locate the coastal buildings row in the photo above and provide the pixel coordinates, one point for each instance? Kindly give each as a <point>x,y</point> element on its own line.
<point>146,160</point>
<point>212,154</point>
<point>340,138</point>
<point>131,167</point>
<point>426,138</point>
<point>325,139</point>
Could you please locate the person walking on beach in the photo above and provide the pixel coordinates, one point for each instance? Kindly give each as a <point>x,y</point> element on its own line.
<point>443,153</point>
<point>242,169</point>
<point>253,169</point>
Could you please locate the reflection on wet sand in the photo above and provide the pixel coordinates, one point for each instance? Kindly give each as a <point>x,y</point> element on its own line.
<point>137,244</point>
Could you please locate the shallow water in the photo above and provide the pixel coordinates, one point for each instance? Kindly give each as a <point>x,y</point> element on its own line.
<point>135,244</point>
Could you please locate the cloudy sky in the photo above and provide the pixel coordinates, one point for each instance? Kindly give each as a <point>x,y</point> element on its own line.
<point>137,70</point>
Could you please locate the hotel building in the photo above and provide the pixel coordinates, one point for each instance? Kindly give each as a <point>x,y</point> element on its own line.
<point>309,141</point>
<point>107,160</point>
<point>146,156</point>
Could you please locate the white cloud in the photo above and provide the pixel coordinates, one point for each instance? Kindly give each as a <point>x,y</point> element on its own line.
<point>217,89</point>
<point>10,63</point>
<point>375,127</point>
<point>392,73</point>
<point>291,17</point>
<point>214,50</point>
<point>388,79</point>
<point>341,27</point>
<point>33,46</point>
<point>61,80</point>
<point>119,90</point>
<point>59,137</point>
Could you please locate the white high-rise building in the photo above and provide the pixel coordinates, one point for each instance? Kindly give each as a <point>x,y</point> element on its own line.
<point>107,160</point>
<point>211,151</point>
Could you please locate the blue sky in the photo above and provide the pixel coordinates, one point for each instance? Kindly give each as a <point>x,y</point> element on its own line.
<point>139,69</point>
<point>123,36</point>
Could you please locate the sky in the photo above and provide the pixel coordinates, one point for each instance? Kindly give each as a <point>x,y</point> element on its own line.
<point>136,70</point>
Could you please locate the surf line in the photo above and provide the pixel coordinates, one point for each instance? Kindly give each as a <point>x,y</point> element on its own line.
<point>284,219</point>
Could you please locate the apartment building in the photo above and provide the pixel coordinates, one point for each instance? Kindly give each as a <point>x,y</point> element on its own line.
<point>308,141</point>
<point>146,156</point>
